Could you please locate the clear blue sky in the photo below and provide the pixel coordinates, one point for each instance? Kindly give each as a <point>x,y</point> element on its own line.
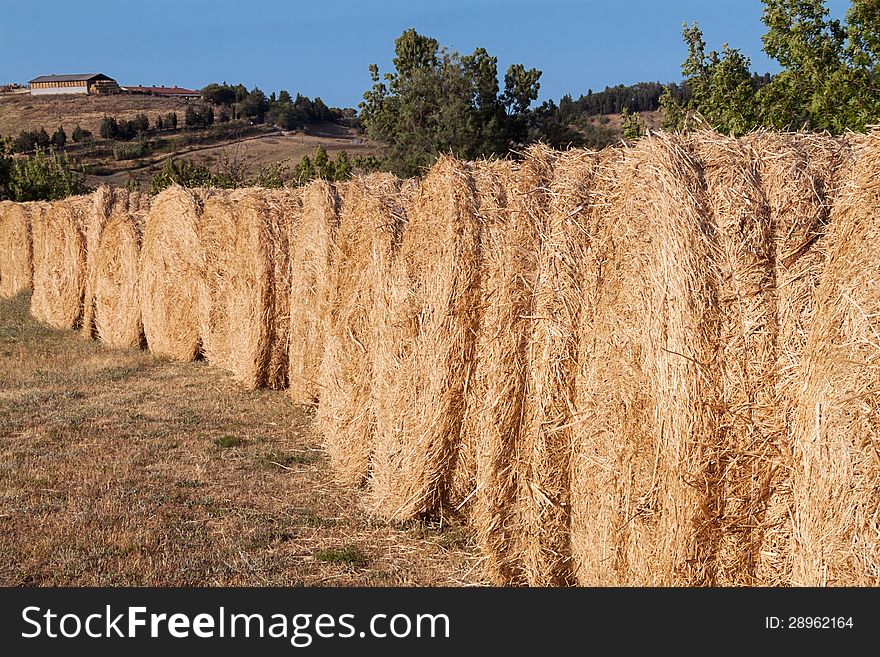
<point>323,48</point>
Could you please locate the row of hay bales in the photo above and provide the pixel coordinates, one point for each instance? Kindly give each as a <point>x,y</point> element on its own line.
<point>654,365</point>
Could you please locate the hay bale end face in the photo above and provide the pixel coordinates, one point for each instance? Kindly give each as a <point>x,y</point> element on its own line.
<point>310,296</point>
<point>118,321</point>
<point>434,315</point>
<point>172,266</point>
<point>60,262</point>
<point>371,222</point>
<point>16,247</point>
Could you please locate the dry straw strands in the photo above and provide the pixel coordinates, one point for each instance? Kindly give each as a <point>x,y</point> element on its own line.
<point>311,250</point>
<point>117,303</point>
<point>497,389</point>
<point>644,398</point>
<point>285,215</point>
<point>554,194</point>
<point>237,297</point>
<point>16,249</point>
<point>799,175</point>
<point>738,479</point>
<point>836,481</point>
<point>435,298</point>
<point>60,262</point>
<point>369,233</point>
<point>105,201</point>
<point>172,266</point>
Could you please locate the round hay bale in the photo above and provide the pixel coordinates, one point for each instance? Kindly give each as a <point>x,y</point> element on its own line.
<point>16,248</point>
<point>644,389</point>
<point>105,201</point>
<point>553,190</point>
<point>237,296</point>
<point>496,393</point>
<point>310,263</point>
<point>60,263</point>
<point>369,232</point>
<point>118,320</point>
<point>172,266</point>
<point>799,174</point>
<point>836,429</point>
<point>434,299</point>
<point>751,432</point>
<point>285,217</point>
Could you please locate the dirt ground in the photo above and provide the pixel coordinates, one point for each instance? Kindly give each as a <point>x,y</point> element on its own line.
<point>121,469</point>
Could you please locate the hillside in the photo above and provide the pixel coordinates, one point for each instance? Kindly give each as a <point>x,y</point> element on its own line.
<point>25,112</point>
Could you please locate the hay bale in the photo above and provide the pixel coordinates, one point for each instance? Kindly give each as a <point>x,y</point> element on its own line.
<point>241,239</point>
<point>172,266</point>
<point>435,310</point>
<point>496,394</point>
<point>371,222</point>
<point>836,429</point>
<point>644,386</point>
<point>59,254</point>
<point>118,321</point>
<point>310,262</point>
<point>799,174</point>
<point>551,189</point>
<point>285,217</point>
<point>750,434</point>
<point>16,248</point>
<point>105,201</point>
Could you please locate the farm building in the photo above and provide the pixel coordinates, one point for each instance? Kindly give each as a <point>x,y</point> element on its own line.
<point>174,92</point>
<point>82,83</point>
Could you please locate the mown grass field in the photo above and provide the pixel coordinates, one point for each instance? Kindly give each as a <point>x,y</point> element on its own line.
<point>119,468</point>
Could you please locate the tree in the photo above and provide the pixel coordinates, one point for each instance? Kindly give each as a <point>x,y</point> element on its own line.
<point>632,125</point>
<point>437,101</point>
<point>721,85</point>
<point>181,172</point>
<point>109,128</point>
<point>80,135</point>
<point>59,138</point>
<point>44,177</point>
<point>342,166</point>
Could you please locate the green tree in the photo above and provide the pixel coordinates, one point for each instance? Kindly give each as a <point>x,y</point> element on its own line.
<point>437,101</point>
<point>181,172</point>
<point>6,163</point>
<point>80,135</point>
<point>342,166</point>
<point>44,177</point>
<point>109,128</point>
<point>323,166</point>
<point>632,125</point>
<point>722,87</point>
<point>59,138</point>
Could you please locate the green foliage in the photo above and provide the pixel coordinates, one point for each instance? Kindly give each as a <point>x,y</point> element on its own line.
<point>131,151</point>
<point>632,125</point>
<point>320,166</point>
<point>6,164</point>
<point>80,135</point>
<point>437,101</point>
<point>350,555</point>
<point>181,172</point>
<point>198,116</point>
<point>828,80</point>
<point>59,137</point>
<point>44,176</point>
<point>31,140</point>
<point>272,175</point>
<point>109,128</point>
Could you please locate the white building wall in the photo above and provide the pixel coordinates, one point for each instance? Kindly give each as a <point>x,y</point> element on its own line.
<point>47,91</point>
